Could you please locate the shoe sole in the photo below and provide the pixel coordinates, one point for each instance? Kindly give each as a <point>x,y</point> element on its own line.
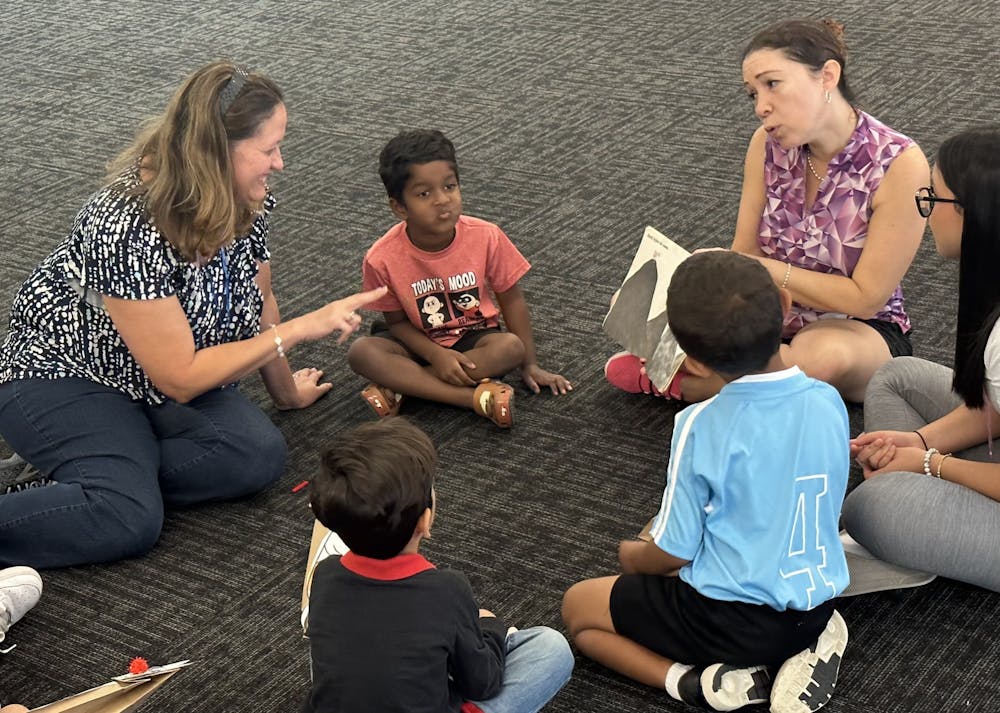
<point>805,682</point>
<point>727,688</point>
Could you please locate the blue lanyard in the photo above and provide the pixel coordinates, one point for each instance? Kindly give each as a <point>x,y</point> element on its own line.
<point>225,286</point>
<point>227,295</point>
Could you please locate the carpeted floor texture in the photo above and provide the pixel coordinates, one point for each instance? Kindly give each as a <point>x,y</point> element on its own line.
<point>577,123</point>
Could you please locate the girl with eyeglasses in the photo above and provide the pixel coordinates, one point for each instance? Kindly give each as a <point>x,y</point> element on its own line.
<point>826,207</point>
<point>931,496</point>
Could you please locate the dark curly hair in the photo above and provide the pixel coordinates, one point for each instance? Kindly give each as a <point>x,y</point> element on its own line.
<point>408,148</point>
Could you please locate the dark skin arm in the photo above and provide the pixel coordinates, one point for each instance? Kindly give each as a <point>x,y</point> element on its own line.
<point>447,364</point>
<point>641,557</point>
<point>515,315</point>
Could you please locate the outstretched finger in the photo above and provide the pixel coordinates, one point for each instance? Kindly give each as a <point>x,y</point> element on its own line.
<point>360,299</point>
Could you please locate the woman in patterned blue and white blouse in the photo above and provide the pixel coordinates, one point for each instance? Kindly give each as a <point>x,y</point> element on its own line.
<point>116,374</point>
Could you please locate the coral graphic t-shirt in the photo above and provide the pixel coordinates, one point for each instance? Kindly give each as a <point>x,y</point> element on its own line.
<point>446,293</point>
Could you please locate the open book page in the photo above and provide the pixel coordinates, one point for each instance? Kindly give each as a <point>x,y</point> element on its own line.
<point>324,544</point>
<point>638,318</point>
<point>121,694</point>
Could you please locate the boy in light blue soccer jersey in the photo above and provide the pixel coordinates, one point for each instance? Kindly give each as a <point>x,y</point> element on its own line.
<point>745,556</point>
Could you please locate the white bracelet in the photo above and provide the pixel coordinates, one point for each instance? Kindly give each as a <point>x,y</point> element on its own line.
<point>788,273</point>
<point>277,342</point>
<point>927,461</point>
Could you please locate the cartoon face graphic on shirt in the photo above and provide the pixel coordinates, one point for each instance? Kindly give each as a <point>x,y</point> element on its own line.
<point>433,311</point>
<point>467,303</point>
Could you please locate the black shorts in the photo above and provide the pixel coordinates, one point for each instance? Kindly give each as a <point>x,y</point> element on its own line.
<point>669,616</point>
<point>895,338</point>
<point>465,343</point>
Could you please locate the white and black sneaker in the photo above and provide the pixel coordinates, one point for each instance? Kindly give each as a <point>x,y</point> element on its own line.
<point>16,475</point>
<point>805,682</point>
<point>727,688</point>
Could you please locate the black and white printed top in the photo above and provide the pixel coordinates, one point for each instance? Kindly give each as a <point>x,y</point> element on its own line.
<point>59,327</point>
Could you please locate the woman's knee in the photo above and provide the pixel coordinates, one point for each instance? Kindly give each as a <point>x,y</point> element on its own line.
<point>892,377</point>
<point>826,360</point>
<point>263,462</point>
<point>245,453</point>
<point>274,456</point>
<point>138,539</point>
<point>125,526</point>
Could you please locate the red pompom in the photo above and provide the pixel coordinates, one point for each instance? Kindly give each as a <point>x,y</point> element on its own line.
<point>138,665</point>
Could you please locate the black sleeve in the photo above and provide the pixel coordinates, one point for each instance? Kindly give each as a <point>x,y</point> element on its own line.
<point>479,653</point>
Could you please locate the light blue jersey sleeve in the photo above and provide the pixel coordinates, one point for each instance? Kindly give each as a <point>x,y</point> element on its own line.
<point>679,526</point>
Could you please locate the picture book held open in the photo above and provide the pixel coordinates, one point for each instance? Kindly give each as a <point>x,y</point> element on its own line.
<point>638,318</point>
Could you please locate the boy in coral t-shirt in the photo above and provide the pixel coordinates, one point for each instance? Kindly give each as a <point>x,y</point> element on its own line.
<point>450,278</point>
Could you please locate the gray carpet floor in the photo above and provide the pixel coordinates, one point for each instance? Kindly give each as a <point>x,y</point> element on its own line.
<point>577,123</point>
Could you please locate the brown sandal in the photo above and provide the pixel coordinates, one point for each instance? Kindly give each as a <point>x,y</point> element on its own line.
<point>384,402</point>
<point>495,401</point>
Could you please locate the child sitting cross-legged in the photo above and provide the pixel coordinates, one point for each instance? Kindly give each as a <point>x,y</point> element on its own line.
<point>389,632</point>
<point>744,557</point>
<point>442,338</point>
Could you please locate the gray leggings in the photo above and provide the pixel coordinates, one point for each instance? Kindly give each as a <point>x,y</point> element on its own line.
<point>912,520</point>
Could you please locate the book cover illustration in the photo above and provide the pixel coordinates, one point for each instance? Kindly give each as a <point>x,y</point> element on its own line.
<point>637,319</point>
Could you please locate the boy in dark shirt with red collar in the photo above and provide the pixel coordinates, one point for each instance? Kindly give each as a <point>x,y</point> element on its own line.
<point>387,630</point>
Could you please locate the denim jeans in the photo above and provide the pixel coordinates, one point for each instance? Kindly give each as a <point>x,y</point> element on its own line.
<point>116,463</point>
<point>539,662</point>
<point>909,519</point>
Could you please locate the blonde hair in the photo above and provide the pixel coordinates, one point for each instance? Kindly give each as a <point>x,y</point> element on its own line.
<point>185,152</point>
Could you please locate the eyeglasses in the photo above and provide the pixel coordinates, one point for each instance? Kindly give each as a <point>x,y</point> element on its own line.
<point>926,199</point>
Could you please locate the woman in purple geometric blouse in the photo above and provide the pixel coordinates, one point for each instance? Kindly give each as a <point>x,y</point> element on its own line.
<point>827,208</point>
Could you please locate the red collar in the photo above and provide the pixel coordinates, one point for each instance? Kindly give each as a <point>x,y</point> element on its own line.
<point>398,567</point>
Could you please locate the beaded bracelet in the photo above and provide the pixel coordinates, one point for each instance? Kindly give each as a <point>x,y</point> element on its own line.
<point>927,461</point>
<point>945,457</point>
<point>277,342</point>
<point>788,273</point>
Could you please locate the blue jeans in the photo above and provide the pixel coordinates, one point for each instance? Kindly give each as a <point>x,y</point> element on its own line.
<point>539,662</point>
<point>116,463</point>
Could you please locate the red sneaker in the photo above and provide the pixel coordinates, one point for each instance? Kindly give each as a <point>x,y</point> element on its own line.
<point>627,372</point>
